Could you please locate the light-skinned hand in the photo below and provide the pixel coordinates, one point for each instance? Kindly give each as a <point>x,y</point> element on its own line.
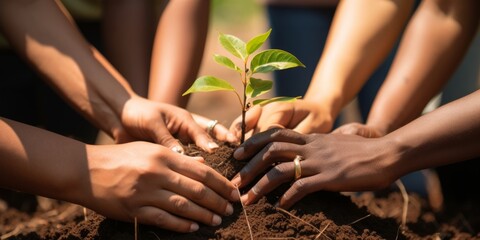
<point>155,185</point>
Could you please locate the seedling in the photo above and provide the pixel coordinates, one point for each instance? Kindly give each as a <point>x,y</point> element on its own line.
<point>266,61</point>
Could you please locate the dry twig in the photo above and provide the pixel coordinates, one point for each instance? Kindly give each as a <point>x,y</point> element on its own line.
<point>245,212</point>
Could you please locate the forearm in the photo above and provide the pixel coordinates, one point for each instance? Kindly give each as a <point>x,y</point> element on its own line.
<point>361,36</point>
<point>39,162</point>
<point>128,30</point>
<point>447,135</point>
<point>434,44</point>
<point>40,32</point>
<point>178,50</point>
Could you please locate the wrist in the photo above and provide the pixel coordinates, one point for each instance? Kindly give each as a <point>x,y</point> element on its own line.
<point>330,104</point>
<point>399,156</point>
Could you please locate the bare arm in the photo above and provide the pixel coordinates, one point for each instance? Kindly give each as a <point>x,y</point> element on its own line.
<point>434,43</point>
<point>128,30</point>
<point>135,180</point>
<point>178,50</point>
<point>41,32</point>
<point>361,36</point>
<point>337,162</point>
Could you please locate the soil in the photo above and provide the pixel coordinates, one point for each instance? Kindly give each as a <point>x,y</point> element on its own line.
<point>322,215</point>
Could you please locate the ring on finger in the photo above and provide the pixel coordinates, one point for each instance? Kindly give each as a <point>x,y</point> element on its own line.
<point>297,167</point>
<point>211,125</point>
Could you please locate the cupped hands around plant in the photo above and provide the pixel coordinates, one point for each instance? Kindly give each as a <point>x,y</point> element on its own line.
<point>265,61</point>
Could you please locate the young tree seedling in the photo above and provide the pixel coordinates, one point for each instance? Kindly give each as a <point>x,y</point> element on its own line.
<point>264,62</point>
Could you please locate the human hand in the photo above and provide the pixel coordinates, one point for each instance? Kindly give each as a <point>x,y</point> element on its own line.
<point>331,162</point>
<point>360,130</point>
<point>155,185</point>
<point>301,115</point>
<point>147,120</point>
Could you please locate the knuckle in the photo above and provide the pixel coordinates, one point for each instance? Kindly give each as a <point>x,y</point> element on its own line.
<point>161,219</point>
<point>181,205</point>
<point>199,192</point>
<point>278,172</point>
<point>299,186</point>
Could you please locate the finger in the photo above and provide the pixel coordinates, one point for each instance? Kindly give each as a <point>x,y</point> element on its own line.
<point>199,135</point>
<point>199,193</point>
<point>258,141</point>
<point>162,219</point>
<point>221,133</point>
<point>270,154</point>
<point>206,175</point>
<point>306,126</point>
<point>162,136</point>
<point>183,207</point>
<point>279,174</point>
<point>272,118</point>
<point>300,189</point>
<point>251,119</point>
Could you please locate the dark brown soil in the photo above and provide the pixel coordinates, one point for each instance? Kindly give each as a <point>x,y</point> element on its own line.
<point>322,215</point>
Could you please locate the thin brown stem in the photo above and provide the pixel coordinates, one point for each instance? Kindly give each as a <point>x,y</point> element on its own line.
<point>244,103</point>
<point>323,230</point>
<point>245,213</point>
<point>85,218</point>
<point>405,201</point>
<point>291,215</point>
<point>360,219</point>
<point>136,228</point>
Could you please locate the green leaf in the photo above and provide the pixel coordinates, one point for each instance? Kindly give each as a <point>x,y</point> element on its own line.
<point>233,45</point>
<point>209,84</point>
<point>256,42</point>
<point>257,87</point>
<point>225,61</point>
<point>263,102</point>
<point>274,59</point>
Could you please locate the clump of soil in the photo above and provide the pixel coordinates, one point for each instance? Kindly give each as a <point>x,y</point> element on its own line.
<point>322,215</point>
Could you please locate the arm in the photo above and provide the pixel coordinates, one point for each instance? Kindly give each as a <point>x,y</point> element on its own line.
<point>83,76</point>
<point>336,162</point>
<point>135,180</point>
<point>178,50</point>
<point>435,42</point>
<point>361,36</point>
<point>127,30</point>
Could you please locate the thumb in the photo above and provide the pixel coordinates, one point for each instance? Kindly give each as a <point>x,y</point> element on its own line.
<point>251,119</point>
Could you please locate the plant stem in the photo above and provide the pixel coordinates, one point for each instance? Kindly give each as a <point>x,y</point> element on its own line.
<point>244,103</point>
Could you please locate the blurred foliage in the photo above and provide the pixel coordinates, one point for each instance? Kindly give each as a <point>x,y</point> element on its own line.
<point>234,11</point>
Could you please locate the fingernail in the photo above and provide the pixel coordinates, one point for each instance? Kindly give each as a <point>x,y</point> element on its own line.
<point>178,149</point>
<point>234,195</point>
<point>229,209</point>
<point>216,220</point>
<point>212,145</point>
<point>194,227</point>
<point>239,152</point>
<point>236,181</point>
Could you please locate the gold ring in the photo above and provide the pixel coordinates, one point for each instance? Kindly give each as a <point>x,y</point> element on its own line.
<point>211,125</point>
<point>297,167</point>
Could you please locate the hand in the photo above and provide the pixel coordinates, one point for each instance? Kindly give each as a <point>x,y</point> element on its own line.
<point>302,116</point>
<point>156,185</point>
<point>360,130</point>
<point>332,162</point>
<point>219,132</point>
<point>146,120</point>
